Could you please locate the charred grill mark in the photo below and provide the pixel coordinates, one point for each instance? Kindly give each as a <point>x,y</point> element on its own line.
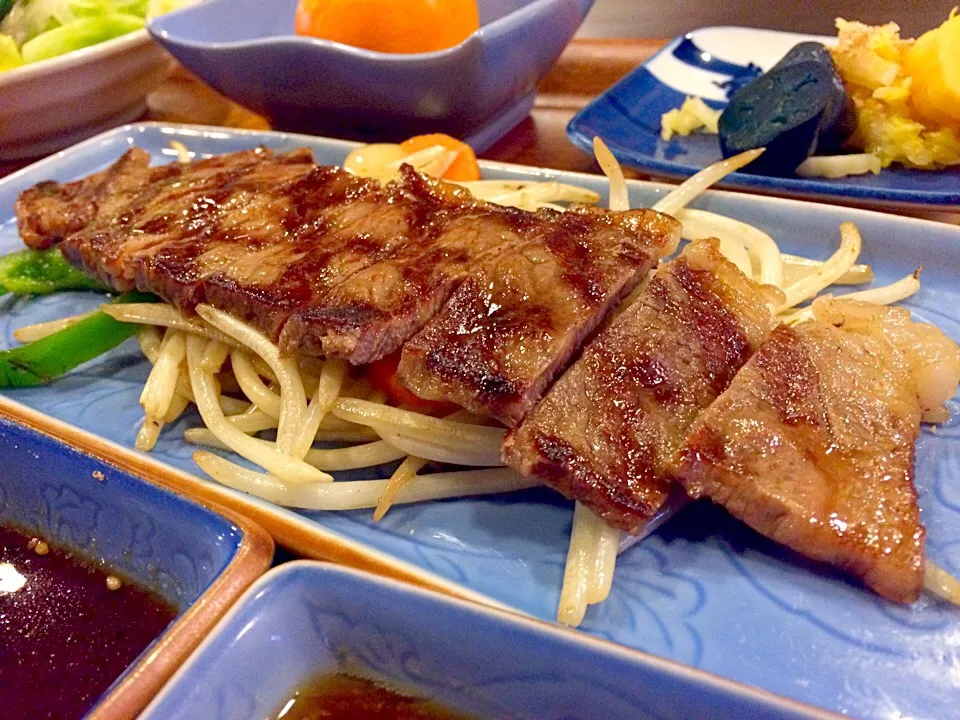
<point>723,346</point>
<point>790,377</point>
<point>471,369</point>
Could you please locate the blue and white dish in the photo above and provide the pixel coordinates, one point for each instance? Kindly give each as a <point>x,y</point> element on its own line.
<point>703,591</point>
<point>477,90</point>
<point>710,63</point>
<point>306,619</point>
<point>91,502</point>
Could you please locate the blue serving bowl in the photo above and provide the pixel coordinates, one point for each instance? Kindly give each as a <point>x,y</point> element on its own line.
<point>476,90</point>
<point>305,619</point>
<point>85,501</point>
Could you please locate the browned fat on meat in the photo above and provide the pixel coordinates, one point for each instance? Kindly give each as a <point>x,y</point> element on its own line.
<point>606,431</point>
<point>513,325</point>
<point>813,446</point>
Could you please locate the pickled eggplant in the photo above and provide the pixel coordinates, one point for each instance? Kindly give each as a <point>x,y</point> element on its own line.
<point>797,109</point>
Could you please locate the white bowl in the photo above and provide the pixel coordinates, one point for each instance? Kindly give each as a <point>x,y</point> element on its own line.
<point>52,104</point>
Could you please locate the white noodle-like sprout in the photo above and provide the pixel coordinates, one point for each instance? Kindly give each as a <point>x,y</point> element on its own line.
<point>825,275</point>
<point>324,396</point>
<point>334,460</point>
<point>441,449</point>
<point>683,194</point>
<point>941,583</point>
<point>215,356</point>
<point>700,224</point>
<point>402,476</point>
<point>31,333</point>
<point>619,194</point>
<point>360,494</point>
<point>252,386</point>
<point>505,192</point>
<point>463,440</point>
<point>258,451</point>
<point>604,563</point>
<point>580,561</point>
<point>737,254</point>
<point>795,267</point>
<point>882,295</point>
<point>293,399</point>
<point>164,316</point>
<point>160,388</point>
<point>433,161</point>
<point>149,339</point>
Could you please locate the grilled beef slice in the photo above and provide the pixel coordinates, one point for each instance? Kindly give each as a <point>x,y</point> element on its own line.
<point>50,211</point>
<point>259,240</point>
<point>327,262</point>
<point>813,446</point>
<point>509,328</point>
<point>606,431</point>
<point>375,311</point>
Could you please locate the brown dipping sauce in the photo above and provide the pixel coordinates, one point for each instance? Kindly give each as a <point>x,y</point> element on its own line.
<point>347,697</point>
<point>64,635</point>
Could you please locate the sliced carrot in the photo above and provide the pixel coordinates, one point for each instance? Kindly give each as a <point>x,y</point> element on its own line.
<point>463,169</point>
<point>383,377</point>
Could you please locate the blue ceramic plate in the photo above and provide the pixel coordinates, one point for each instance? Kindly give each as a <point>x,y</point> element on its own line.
<point>703,591</point>
<point>477,90</point>
<point>87,502</point>
<point>309,619</point>
<point>708,63</point>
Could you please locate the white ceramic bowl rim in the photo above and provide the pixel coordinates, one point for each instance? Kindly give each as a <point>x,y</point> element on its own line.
<point>492,28</point>
<point>75,57</point>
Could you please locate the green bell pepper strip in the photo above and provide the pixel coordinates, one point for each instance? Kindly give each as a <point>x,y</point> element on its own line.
<point>39,362</point>
<point>41,272</point>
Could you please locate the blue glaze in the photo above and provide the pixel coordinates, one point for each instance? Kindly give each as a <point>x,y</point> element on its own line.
<point>703,591</point>
<point>75,501</point>
<point>627,117</point>
<point>688,52</point>
<point>477,90</point>
<point>305,619</point>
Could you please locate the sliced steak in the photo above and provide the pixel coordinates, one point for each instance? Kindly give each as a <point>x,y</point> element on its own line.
<point>513,325</point>
<point>259,240</point>
<point>49,211</point>
<point>379,308</point>
<point>606,431</point>
<point>813,446</point>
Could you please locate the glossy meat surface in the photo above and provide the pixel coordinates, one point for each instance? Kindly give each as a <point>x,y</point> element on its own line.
<point>509,329</point>
<point>50,211</point>
<point>331,264</point>
<point>451,236</point>
<point>813,446</point>
<point>606,431</point>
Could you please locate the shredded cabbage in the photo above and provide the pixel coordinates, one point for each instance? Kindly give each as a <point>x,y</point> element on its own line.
<point>35,30</point>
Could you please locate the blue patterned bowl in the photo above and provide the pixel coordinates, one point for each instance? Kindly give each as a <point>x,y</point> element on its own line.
<point>196,558</point>
<point>308,618</point>
<point>476,90</point>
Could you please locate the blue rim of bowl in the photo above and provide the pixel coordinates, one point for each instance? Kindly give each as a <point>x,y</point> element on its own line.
<point>582,137</point>
<point>491,29</point>
<point>567,636</point>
